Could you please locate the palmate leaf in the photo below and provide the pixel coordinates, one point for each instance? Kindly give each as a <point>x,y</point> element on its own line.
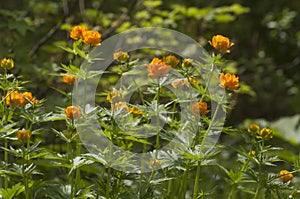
<point>10,193</point>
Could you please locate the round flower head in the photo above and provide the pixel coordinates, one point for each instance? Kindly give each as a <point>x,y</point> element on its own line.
<point>229,81</point>
<point>114,96</point>
<point>121,56</point>
<point>285,175</point>
<point>157,68</point>
<point>221,43</point>
<point>7,63</point>
<point>266,133</point>
<point>135,111</point>
<point>199,109</point>
<point>77,32</point>
<point>91,37</point>
<point>68,79</point>
<point>253,129</point>
<point>171,60</point>
<point>120,106</point>
<point>186,63</point>
<point>23,135</point>
<point>73,112</point>
<point>155,163</point>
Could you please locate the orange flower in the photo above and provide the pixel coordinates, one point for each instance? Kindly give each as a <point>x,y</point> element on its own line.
<point>122,106</point>
<point>157,68</point>
<point>18,99</point>
<point>121,56</point>
<point>253,129</point>
<point>73,112</point>
<point>171,60</point>
<point>135,111</point>
<point>221,43</point>
<point>91,37</point>
<point>114,96</point>
<point>193,80</point>
<point>180,83</point>
<point>23,135</point>
<point>68,79</point>
<point>77,32</point>
<point>199,109</point>
<point>7,63</point>
<point>285,175</point>
<point>229,81</point>
<point>266,133</point>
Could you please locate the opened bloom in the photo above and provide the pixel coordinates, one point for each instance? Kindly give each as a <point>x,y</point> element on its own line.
<point>199,109</point>
<point>121,56</point>
<point>266,133</point>
<point>73,112</point>
<point>91,37</point>
<point>229,81</point>
<point>77,32</point>
<point>135,111</point>
<point>114,96</point>
<point>18,99</point>
<point>285,175</point>
<point>221,43</point>
<point>68,79</point>
<point>7,63</point>
<point>157,68</point>
<point>23,135</point>
<point>120,106</point>
<point>171,60</point>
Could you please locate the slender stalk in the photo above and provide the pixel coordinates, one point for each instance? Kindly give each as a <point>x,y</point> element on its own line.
<point>78,152</point>
<point>6,163</point>
<point>196,181</point>
<point>25,179</point>
<point>257,192</point>
<point>108,182</point>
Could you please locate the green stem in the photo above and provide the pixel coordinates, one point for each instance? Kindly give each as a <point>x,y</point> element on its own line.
<point>77,175</point>
<point>257,192</point>
<point>108,182</point>
<point>25,179</point>
<point>197,181</point>
<point>182,189</point>
<point>6,163</point>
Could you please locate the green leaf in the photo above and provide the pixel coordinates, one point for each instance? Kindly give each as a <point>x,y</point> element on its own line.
<point>10,193</point>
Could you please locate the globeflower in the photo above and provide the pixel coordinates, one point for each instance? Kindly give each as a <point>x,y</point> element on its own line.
<point>121,56</point>
<point>221,43</point>
<point>7,63</point>
<point>199,109</point>
<point>171,60</point>
<point>253,129</point>
<point>23,135</point>
<point>91,37</point>
<point>186,63</point>
<point>18,99</point>
<point>229,81</point>
<point>77,32</point>
<point>68,79</point>
<point>266,133</point>
<point>180,83</point>
<point>157,68</point>
<point>155,163</point>
<point>135,111</point>
<point>285,175</point>
<point>114,96</point>
<point>73,112</point>
<point>120,106</point>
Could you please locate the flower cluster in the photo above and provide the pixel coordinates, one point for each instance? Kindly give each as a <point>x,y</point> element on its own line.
<point>285,175</point>
<point>264,133</point>
<point>90,37</point>
<point>7,63</point>
<point>18,99</point>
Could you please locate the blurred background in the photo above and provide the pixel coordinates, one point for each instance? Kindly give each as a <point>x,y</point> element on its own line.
<point>266,54</point>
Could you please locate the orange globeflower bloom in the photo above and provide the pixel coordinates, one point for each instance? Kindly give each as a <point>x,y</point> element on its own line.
<point>180,83</point>
<point>23,135</point>
<point>155,163</point>
<point>285,175</point>
<point>14,98</point>
<point>221,43</point>
<point>28,97</point>
<point>68,79</point>
<point>253,129</point>
<point>199,109</point>
<point>73,112</point>
<point>120,106</point>
<point>171,60</point>
<point>77,32</point>
<point>229,81</point>
<point>266,133</point>
<point>91,37</point>
<point>135,111</point>
<point>157,68</point>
